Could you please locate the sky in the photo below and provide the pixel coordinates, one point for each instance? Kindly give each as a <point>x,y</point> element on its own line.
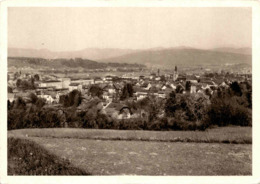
<point>73,28</point>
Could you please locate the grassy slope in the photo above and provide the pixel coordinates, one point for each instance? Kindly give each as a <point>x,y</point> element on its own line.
<point>152,158</point>
<point>242,135</point>
<point>27,158</point>
<point>147,158</point>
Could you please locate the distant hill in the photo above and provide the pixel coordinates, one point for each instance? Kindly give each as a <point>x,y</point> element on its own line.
<point>244,50</point>
<point>182,56</point>
<point>157,57</point>
<point>89,53</point>
<point>40,63</point>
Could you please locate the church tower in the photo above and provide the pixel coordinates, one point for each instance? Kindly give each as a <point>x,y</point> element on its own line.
<point>175,74</point>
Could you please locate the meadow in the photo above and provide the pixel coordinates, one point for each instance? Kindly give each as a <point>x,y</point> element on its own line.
<point>232,134</point>
<point>217,151</point>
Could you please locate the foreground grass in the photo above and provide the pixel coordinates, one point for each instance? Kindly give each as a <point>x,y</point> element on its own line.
<point>234,135</point>
<point>108,157</point>
<point>162,153</point>
<point>27,158</point>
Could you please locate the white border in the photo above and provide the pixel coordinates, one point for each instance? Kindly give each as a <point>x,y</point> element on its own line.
<point>255,178</point>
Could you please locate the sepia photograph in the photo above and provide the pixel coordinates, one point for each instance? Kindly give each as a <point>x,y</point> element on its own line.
<point>129,91</point>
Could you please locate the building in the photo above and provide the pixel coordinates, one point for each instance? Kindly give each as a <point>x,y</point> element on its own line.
<point>175,74</point>
<point>193,89</point>
<point>75,86</point>
<point>84,81</point>
<point>161,94</point>
<point>193,79</point>
<point>11,97</point>
<point>65,82</point>
<point>118,111</point>
<point>110,89</point>
<point>98,81</point>
<point>108,78</point>
<point>140,94</point>
<point>52,83</point>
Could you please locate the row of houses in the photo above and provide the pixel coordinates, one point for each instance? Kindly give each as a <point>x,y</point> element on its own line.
<point>144,86</point>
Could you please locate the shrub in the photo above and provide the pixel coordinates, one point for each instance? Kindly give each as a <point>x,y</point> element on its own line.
<point>27,158</point>
<point>228,111</point>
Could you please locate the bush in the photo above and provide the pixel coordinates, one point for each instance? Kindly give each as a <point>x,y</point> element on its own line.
<point>27,158</point>
<point>223,112</point>
<point>74,98</point>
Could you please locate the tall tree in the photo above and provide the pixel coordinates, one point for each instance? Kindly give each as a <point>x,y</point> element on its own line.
<point>171,105</point>
<point>33,98</point>
<point>188,86</point>
<point>36,77</point>
<point>127,91</point>
<point>95,90</point>
<point>179,89</point>
<point>235,87</point>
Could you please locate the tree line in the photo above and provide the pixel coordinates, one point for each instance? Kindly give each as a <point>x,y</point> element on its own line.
<point>228,106</point>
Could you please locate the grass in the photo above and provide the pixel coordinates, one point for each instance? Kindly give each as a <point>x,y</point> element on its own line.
<point>28,158</point>
<point>152,158</point>
<point>95,151</point>
<point>234,135</point>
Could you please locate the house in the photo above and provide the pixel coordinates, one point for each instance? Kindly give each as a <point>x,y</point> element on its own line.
<point>65,82</point>
<point>11,97</point>
<point>152,76</point>
<point>166,87</point>
<point>62,90</point>
<point>218,81</point>
<point>110,89</point>
<point>49,99</point>
<point>84,81</point>
<point>140,93</point>
<point>105,96</point>
<point>148,86</point>
<point>173,86</point>
<point>141,77</point>
<point>157,78</point>
<point>205,86</point>
<point>124,113</point>
<point>118,111</point>
<point>15,91</point>
<point>51,96</point>
<point>98,81</point>
<point>223,84</point>
<point>108,97</point>
<point>75,86</point>
<point>87,81</point>
<point>51,83</point>
<point>108,78</point>
<point>181,78</point>
<point>193,89</point>
<point>192,78</point>
<point>161,94</point>
<point>12,83</point>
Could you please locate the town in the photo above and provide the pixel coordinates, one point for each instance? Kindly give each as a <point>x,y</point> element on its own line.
<point>127,90</point>
<point>115,92</point>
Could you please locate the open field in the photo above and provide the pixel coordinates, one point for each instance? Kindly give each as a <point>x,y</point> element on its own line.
<point>241,135</point>
<point>109,152</point>
<point>151,158</point>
